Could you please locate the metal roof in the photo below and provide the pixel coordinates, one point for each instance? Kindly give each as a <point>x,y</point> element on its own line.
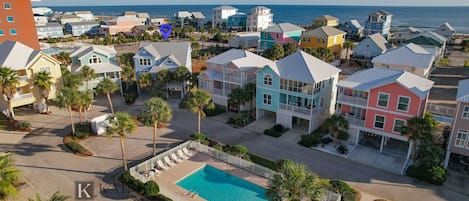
<point>16,55</point>
<point>242,59</point>
<point>424,40</point>
<point>379,40</point>
<point>198,15</point>
<point>283,27</point>
<point>441,39</point>
<point>324,32</point>
<point>448,26</point>
<point>326,17</point>
<point>379,12</point>
<point>225,8</point>
<point>178,52</point>
<point>82,23</point>
<point>406,55</point>
<point>355,23</point>
<point>102,68</point>
<point>463,91</point>
<point>84,50</point>
<point>366,80</point>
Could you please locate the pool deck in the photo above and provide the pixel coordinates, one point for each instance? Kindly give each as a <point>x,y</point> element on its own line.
<point>167,179</point>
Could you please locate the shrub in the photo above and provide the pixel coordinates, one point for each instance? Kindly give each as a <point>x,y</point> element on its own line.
<point>338,186</point>
<point>218,147</point>
<point>310,140</point>
<point>130,97</point>
<point>326,140</point>
<point>342,149</point>
<point>343,135</point>
<point>240,119</point>
<point>263,161</point>
<point>131,182</point>
<point>82,130</point>
<point>278,128</point>
<point>444,61</point>
<point>151,188</point>
<point>200,137</point>
<point>240,150</point>
<point>272,132</point>
<point>433,175</point>
<point>215,111</point>
<point>75,147</point>
<point>466,63</point>
<point>23,125</point>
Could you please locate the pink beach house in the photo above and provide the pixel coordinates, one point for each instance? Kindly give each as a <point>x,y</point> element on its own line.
<point>121,24</point>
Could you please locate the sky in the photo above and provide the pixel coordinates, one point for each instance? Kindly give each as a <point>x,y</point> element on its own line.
<point>254,2</point>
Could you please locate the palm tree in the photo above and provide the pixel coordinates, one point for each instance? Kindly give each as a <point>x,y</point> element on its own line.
<point>71,80</point>
<point>8,83</point>
<point>294,182</point>
<point>55,197</point>
<point>107,86</point>
<point>348,45</point>
<point>420,132</point>
<point>66,99</point>
<point>156,111</point>
<point>44,82</point>
<point>128,74</point>
<point>145,80</point>
<point>87,74</point>
<point>237,97</point>
<point>197,102</point>
<point>324,54</point>
<point>121,124</point>
<point>9,177</point>
<point>250,89</point>
<point>63,57</point>
<point>336,124</point>
<point>181,75</point>
<point>83,102</point>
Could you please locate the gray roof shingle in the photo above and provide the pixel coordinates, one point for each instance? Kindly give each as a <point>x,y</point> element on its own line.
<point>463,91</point>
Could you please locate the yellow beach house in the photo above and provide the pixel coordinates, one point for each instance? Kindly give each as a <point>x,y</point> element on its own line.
<point>325,20</point>
<point>27,62</point>
<point>324,36</point>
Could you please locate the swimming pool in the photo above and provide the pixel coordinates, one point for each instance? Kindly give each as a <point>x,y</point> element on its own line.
<point>213,184</point>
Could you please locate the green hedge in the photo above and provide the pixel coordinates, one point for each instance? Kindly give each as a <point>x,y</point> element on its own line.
<point>131,182</point>
<point>310,140</point>
<point>82,130</point>
<point>263,161</point>
<point>272,132</point>
<point>434,175</point>
<point>200,137</point>
<point>151,188</point>
<point>78,148</point>
<point>215,111</point>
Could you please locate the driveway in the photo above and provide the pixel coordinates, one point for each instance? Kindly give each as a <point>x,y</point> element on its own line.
<point>48,167</point>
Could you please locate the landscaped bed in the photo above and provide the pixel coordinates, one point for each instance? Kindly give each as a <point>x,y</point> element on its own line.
<point>276,131</point>
<point>82,131</point>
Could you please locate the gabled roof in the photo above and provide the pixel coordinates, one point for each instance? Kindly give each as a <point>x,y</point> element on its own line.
<point>247,36</point>
<point>242,59</point>
<point>143,15</point>
<point>127,18</point>
<point>406,55</point>
<point>50,24</point>
<point>82,12</point>
<point>448,26</point>
<point>102,68</point>
<point>282,28</point>
<point>355,23</point>
<point>324,32</point>
<point>82,23</point>
<point>366,80</point>
<point>70,17</point>
<point>441,39</point>
<point>178,52</point>
<point>84,50</point>
<point>379,40</point>
<point>225,8</point>
<point>463,91</point>
<point>379,12</point>
<point>16,55</point>
<point>326,17</point>
<point>424,40</point>
<point>130,13</point>
<point>198,15</point>
<point>301,66</point>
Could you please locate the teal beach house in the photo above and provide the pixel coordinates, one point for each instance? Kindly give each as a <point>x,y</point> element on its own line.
<point>280,33</point>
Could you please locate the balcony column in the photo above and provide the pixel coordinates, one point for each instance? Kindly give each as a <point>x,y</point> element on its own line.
<point>382,144</point>
<point>409,151</point>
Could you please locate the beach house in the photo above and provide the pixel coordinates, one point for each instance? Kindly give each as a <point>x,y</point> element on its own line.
<point>230,70</point>
<point>67,18</point>
<point>198,18</point>
<point>237,22</point>
<point>430,44</point>
<point>259,19</point>
<point>446,30</point>
<point>378,22</point>
<point>85,15</point>
<point>102,59</point>
<point>325,20</point>
<point>17,23</point>
<point>353,28</point>
<point>280,34</point>
<point>40,20</point>
<point>405,34</point>
<point>156,56</point>
<point>458,142</point>
<point>50,30</point>
<point>220,15</point>
<point>27,62</point>
<point>80,28</point>
<point>297,91</point>
<point>244,40</point>
<point>377,102</point>
<point>325,36</point>
<point>122,24</point>
<point>410,57</point>
<point>370,47</point>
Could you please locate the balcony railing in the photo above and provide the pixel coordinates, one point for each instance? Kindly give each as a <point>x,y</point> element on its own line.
<point>236,79</point>
<point>293,108</point>
<point>23,96</point>
<point>217,91</point>
<point>354,121</point>
<point>23,78</point>
<point>352,99</point>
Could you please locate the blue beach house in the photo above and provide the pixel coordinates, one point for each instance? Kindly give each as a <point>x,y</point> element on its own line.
<point>353,28</point>
<point>80,28</point>
<point>237,22</point>
<point>297,91</point>
<point>378,22</point>
<point>370,47</point>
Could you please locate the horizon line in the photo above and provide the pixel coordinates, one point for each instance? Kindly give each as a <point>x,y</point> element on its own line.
<point>253,5</point>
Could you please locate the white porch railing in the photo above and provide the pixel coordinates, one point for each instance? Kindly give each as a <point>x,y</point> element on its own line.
<point>352,99</point>
<point>357,122</point>
<point>235,79</point>
<point>23,96</point>
<point>217,91</point>
<point>293,108</point>
<point>23,78</point>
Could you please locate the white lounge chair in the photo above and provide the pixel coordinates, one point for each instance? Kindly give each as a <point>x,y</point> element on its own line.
<point>175,158</point>
<point>162,165</point>
<point>189,153</point>
<point>182,155</point>
<point>168,161</point>
<point>153,172</point>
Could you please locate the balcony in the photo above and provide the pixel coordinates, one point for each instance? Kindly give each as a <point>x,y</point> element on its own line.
<point>18,96</point>
<point>235,79</point>
<point>296,109</point>
<point>354,121</point>
<point>23,78</point>
<point>352,100</point>
<point>217,91</point>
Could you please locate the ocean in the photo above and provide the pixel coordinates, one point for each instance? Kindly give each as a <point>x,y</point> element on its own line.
<point>425,18</point>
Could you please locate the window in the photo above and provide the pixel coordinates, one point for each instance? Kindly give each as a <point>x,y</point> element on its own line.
<point>383,99</point>
<point>461,138</point>
<point>403,104</point>
<point>94,59</point>
<point>268,80</point>
<point>465,112</point>
<point>9,18</point>
<point>1,33</point>
<point>45,68</point>
<point>398,124</point>
<point>6,6</point>
<point>379,121</point>
<point>13,31</point>
<point>146,62</point>
<point>267,99</point>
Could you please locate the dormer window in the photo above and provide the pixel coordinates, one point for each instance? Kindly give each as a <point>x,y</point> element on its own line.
<point>144,62</point>
<point>169,62</point>
<point>95,60</point>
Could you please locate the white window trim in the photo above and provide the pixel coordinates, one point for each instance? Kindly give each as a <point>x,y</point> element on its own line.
<point>9,6</point>
<point>271,79</point>
<point>387,102</point>
<point>12,19</point>
<point>465,139</point>
<point>463,112</point>
<point>408,104</point>
<point>394,124</point>
<point>13,34</point>
<point>384,122</point>
<point>266,94</point>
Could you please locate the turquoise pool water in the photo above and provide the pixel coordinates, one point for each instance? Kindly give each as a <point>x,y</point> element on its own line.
<point>213,184</point>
